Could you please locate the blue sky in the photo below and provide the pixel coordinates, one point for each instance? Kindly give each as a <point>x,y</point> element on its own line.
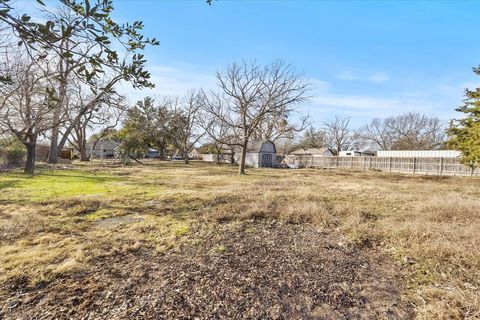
<point>366,58</point>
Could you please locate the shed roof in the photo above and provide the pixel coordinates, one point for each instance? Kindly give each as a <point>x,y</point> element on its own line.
<point>256,146</point>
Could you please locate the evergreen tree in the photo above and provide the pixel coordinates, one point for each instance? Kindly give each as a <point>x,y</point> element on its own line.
<point>465,133</point>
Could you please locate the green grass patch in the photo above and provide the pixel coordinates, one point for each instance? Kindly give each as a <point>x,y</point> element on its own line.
<point>49,185</point>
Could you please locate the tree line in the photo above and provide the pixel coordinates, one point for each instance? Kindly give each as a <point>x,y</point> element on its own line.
<point>407,131</point>
<point>252,102</point>
<point>59,77</point>
<point>58,80</point>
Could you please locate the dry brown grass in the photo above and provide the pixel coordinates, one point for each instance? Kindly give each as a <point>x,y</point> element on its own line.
<point>430,226</point>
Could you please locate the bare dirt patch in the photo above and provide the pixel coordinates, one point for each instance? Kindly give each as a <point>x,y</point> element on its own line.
<point>241,270</point>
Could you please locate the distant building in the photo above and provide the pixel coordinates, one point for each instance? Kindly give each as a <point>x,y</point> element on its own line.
<point>356,153</point>
<point>420,153</point>
<point>42,151</point>
<point>259,154</point>
<point>224,155</point>
<point>318,152</point>
<point>194,154</point>
<point>152,153</point>
<point>103,148</point>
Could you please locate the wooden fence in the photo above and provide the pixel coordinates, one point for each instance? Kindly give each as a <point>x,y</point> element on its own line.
<point>429,166</point>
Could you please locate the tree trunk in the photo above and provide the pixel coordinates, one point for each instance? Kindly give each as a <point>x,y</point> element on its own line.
<point>82,146</point>
<point>185,157</point>
<point>83,154</point>
<point>53,154</point>
<point>161,151</point>
<point>218,156</point>
<point>62,91</point>
<point>31,157</point>
<point>241,169</point>
<point>62,142</point>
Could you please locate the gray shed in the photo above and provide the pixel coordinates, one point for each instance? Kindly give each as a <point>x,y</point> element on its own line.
<point>259,154</point>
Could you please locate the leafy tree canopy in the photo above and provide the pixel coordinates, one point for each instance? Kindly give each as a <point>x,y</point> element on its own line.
<point>88,19</point>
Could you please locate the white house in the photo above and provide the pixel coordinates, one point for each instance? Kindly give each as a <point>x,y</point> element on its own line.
<point>103,148</point>
<point>194,154</point>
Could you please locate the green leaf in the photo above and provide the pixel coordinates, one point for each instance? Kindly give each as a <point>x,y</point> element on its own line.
<point>67,54</point>
<point>26,18</point>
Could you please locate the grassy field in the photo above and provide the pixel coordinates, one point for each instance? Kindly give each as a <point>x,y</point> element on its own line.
<point>166,238</point>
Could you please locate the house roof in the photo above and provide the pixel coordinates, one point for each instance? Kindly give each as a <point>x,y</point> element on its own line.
<point>311,151</point>
<point>104,144</point>
<point>226,151</point>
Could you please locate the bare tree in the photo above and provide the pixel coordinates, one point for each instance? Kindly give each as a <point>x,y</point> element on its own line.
<point>250,95</point>
<point>105,117</point>
<point>187,123</point>
<point>219,131</point>
<point>313,138</point>
<point>378,133</point>
<point>278,125</point>
<point>285,145</point>
<point>339,135</point>
<point>26,109</point>
<point>408,131</point>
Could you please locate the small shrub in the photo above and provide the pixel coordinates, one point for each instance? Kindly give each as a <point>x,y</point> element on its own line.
<point>14,156</point>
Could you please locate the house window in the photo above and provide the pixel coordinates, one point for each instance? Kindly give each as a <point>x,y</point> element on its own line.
<point>349,153</point>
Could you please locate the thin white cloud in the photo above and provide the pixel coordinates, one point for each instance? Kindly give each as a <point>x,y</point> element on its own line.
<point>378,77</point>
<point>356,102</point>
<point>174,81</point>
<point>457,88</point>
<point>373,77</point>
<point>414,94</point>
<point>362,108</point>
<point>178,79</point>
<point>347,76</point>
<point>319,85</point>
<point>171,81</point>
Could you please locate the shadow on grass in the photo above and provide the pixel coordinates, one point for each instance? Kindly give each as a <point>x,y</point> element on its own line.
<point>8,184</point>
<point>83,177</point>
